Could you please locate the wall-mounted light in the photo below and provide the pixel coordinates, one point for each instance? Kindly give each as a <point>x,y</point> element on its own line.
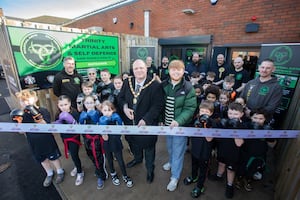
<point>188,11</point>
<point>213,2</point>
<point>131,24</point>
<point>252,27</point>
<point>115,20</point>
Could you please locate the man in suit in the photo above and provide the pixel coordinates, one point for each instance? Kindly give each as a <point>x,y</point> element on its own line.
<point>141,99</point>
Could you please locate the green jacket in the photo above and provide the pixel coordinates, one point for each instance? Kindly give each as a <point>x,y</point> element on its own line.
<point>185,100</point>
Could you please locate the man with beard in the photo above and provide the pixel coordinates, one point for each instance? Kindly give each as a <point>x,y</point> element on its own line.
<point>196,66</point>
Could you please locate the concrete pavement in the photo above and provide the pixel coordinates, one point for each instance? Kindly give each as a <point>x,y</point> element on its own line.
<point>143,190</point>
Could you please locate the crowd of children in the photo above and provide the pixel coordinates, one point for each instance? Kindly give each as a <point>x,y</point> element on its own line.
<point>217,106</point>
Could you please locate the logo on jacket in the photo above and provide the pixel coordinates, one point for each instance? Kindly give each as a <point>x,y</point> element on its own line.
<point>41,50</point>
<point>263,90</point>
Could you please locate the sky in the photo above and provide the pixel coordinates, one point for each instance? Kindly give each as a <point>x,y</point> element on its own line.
<point>59,8</point>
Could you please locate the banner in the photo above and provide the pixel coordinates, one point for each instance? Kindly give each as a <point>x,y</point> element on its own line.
<point>38,54</point>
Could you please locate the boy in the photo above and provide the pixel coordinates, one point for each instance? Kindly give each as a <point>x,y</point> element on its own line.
<point>201,150</point>
<point>254,152</point>
<point>210,76</point>
<point>43,145</point>
<point>106,87</point>
<point>229,148</point>
<point>87,89</point>
<point>228,86</point>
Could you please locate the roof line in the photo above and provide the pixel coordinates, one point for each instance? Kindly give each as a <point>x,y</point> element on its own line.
<point>111,6</point>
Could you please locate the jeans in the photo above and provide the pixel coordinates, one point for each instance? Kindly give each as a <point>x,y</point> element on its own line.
<point>176,146</point>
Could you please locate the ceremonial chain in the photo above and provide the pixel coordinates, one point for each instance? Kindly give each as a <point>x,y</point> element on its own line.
<point>136,95</point>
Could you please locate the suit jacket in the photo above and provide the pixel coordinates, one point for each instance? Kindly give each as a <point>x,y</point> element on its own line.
<point>149,105</point>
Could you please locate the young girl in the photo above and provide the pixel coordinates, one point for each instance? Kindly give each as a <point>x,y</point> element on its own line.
<point>113,143</point>
<point>93,143</point>
<point>43,145</point>
<point>68,115</point>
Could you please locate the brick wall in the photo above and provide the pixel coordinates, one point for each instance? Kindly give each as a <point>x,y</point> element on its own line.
<point>279,20</point>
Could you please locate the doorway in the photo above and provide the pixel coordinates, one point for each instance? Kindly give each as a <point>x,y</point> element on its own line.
<point>250,57</point>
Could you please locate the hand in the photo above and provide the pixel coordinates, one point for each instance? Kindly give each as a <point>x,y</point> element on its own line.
<point>116,118</point>
<point>129,113</point>
<point>103,120</point>
<point>93,115</point>
<point>83,117</point>
<point>105,137</point>
<point>238,142</point>
<point>34,112</point>
<point>141,123</point>
<point>66,118</point>
<point>174,124</point>
<point>16,115</point>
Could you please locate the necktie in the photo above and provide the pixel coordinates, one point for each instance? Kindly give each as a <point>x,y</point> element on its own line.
<point>137,88</point>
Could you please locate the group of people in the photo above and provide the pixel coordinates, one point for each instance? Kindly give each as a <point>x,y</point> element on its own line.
<point>172,95</point>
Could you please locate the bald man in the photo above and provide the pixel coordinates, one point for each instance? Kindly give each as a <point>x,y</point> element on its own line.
<point>240,75</point>
<point>141,99</point>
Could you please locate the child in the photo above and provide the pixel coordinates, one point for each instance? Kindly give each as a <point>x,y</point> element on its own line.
<point>113,143</point>
<point>67,115</point>
<point>212,94</point>
<point>87,89</point>
<point>43,145</point>
<point>105,88</point>
<point>195,78</point>
<point>210,76</point>
<point>224,100</point>
<point>254,152</point>
<point>93,143</point>
<point>201,150</point>
<point>229,148</point>
<point>228,86</point>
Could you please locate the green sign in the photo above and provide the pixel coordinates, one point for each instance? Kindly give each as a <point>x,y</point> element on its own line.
<point>39,53</point>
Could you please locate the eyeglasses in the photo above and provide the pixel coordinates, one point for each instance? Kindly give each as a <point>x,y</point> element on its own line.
<point>89,103</point>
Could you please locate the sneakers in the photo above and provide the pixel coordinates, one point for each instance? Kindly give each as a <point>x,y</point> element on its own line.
<point>172,184</point>
<point>73,172</point>
<point>196,192</point>
<point>229,191</point>
<point>60,178</point>
<point>114,178</point>
<point>167,166</point>
<point>128,181</point>
<point>188,180</point>
<point>79,178</point>
<point>48,181</point>
<point>100,184</point>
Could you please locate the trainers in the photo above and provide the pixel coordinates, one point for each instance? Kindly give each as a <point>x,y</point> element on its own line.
<point>48,181</point>
<point>248,187</point>
<point>188,180</point>
<point>115,179</point>
<point>196,192</point>
<point>167,166</point>
<point>73,172</point>
<point>79,178</point>
<point>128,181</point>
<point>100,184</point>
<point>172,184</point>
<point>229,191</point>
<point>60,178</point>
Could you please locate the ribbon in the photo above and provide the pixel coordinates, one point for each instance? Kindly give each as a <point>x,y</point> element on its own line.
<point>146,130</point>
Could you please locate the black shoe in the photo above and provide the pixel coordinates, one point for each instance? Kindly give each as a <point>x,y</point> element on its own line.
<point>132,163</point>
<point>229,192</point>
<point>150,177</point>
